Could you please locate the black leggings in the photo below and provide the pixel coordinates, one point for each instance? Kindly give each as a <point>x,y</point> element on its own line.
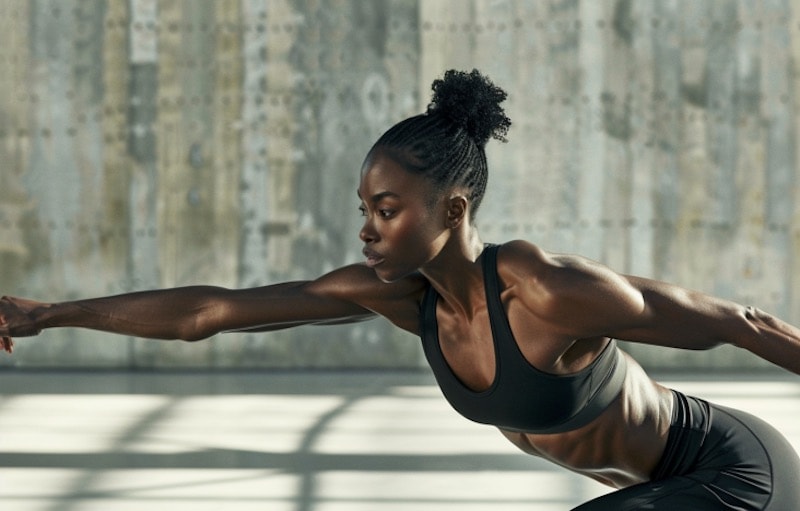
<point>716,459</point>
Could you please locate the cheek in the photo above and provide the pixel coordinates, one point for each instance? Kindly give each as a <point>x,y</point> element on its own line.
<point>418,230</point>
<point>423,238</point>
<point>404,236</point>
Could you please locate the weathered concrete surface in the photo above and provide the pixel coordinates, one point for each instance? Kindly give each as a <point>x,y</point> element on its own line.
<point>152,143</point>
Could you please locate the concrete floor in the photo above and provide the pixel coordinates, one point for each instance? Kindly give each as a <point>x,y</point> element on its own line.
<point>294,441</point>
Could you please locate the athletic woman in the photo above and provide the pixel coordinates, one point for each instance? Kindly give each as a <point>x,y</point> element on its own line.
<point>516,336</point>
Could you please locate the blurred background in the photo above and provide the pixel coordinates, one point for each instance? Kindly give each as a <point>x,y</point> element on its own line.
<point>153,143</point>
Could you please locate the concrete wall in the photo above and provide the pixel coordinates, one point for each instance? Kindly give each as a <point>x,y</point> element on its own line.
<point>151,143</point>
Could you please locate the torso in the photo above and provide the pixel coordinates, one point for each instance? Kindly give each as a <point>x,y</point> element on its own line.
<point>621,447</point>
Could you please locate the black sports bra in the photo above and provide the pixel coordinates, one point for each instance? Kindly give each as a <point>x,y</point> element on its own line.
<point>522,398</point>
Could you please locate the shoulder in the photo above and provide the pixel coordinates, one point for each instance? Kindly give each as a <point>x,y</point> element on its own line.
<point>357,281</point>
<point>526,262</point>
<point>523,262</point>
<point>397,301</point>
<point>560,288</point>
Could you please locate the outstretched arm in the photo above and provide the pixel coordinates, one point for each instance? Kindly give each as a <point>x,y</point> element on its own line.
<point>673,316</point>
<point>583,299</point>
<point>346,295</point>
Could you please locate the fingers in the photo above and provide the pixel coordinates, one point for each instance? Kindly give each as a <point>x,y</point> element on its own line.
<point>6,343</point>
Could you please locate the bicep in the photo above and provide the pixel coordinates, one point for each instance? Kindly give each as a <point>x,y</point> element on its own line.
<point>346,295</point>
<point>592,300</point>
<point>580,299</point>
<point>681,318</point>
<point>330,299</point>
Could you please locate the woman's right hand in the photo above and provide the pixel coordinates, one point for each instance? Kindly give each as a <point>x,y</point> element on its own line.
<point>7,344</point>
<point>16,320</point>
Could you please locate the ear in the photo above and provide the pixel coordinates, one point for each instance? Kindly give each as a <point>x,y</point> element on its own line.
<point>457,210</point>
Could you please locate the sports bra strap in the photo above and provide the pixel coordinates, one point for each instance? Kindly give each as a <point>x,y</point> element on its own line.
<point>605,392</point>
<point>522,398</point>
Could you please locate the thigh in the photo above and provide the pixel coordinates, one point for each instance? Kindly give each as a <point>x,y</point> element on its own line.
<point>745,465</point>
<point>670,494</point>
<point>762,459</point>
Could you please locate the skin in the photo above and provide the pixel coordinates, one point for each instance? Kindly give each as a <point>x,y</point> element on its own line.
<point>562,310</point>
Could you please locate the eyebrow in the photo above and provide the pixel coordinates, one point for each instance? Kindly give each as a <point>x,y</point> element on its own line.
<point>378,196</point>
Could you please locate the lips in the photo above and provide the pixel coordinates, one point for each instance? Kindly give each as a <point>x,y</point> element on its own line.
<point>373,258</point>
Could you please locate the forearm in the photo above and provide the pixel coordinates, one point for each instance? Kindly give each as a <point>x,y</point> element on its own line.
<point>162,314</point>
<point>198,312</point>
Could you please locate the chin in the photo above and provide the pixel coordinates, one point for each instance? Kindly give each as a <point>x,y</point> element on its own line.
<point>388,276</point>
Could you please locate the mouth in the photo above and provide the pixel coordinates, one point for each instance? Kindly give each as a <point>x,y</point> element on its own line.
<point>373,258</point>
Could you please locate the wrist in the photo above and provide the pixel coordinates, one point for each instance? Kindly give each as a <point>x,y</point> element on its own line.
<point>46,315</point>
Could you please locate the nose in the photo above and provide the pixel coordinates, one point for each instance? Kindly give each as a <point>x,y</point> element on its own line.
<point>367,233</point>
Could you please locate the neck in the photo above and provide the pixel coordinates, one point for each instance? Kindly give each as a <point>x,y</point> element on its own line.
<point>455,273</point>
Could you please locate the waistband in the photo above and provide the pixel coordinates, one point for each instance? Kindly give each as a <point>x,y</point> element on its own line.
<point>691,419</point>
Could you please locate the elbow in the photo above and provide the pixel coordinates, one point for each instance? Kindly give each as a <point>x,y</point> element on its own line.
<point>746,332</point>
<point>209,317</point>
<point>192,337</point>
<point>736,326</point>
<point>195,333</point>
<point>198,327</point>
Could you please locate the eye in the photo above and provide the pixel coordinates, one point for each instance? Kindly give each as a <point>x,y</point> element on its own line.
<point>386,213</point>
<point>362,210</point>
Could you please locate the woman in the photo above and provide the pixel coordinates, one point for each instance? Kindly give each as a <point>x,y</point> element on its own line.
<point>517,337</point>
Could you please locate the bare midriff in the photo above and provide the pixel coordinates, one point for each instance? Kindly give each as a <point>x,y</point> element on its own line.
<point>620,448</point>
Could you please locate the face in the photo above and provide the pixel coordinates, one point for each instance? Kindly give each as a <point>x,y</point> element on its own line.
<point>403,228</point>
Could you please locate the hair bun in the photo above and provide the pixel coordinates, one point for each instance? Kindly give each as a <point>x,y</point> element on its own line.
<point>472,102</point>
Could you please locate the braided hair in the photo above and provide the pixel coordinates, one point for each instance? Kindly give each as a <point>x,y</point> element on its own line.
<point>447,143</point>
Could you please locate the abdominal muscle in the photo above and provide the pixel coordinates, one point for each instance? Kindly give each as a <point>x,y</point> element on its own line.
<point>622,446</point>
